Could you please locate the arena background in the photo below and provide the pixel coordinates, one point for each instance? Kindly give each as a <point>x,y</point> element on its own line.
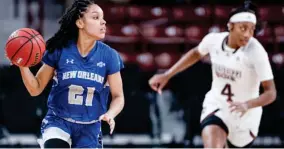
<point>150,36</point>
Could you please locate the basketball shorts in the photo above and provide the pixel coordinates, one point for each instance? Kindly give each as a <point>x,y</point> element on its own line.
<point>241,130</point>
<point>77,135</point>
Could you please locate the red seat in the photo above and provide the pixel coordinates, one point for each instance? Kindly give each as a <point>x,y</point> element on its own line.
<point>163,35</point>
<point>271,13</point>
<point>123,37</point>
<point>122,33</point>
<point>144,13</point>
<point>221,13</point>
<point>129,47</point>
<point>162,38</point>
<point>265,36</point>
<point>146,61</point>
<point>191,13</point>
<point>216,28</point>
<point>278,60</point>
<point>128,56</point>
<point>194,33</point>
<point>166,59</point>
<point>279,33</point>
<point>114,13</point>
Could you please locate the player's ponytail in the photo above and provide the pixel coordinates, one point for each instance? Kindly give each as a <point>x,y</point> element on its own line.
<point>68,30</point>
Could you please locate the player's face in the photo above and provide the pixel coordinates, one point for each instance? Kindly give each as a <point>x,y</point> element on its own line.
<point>94,24</point>
<point>242,32</point>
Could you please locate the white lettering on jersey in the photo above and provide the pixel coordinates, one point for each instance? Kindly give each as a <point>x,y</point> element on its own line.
<point>69,75</point>
<point>83,75</point>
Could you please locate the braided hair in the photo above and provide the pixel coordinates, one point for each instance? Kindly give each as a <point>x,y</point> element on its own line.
<point>248,6</point>
<point>68,29</point>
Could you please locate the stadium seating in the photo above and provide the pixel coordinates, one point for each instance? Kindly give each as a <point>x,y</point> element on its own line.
<point>162,29</point>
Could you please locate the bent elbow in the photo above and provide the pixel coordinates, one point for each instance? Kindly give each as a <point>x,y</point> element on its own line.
<point>35,93</point>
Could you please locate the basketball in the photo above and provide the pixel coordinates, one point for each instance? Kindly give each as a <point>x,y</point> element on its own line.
<point>25,47</point>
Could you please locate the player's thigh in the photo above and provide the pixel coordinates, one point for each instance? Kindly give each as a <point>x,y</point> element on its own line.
<point>88,136</point>
<point>214,131</point>
<point>52,133</point>
<point>213,114</point>
<point>53,127</point>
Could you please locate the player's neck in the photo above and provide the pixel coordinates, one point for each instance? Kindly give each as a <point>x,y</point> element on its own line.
<point>85,44</point>
<point>230,43</point>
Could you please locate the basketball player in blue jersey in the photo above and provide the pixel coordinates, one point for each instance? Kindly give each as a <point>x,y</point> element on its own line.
<point>80,66</point>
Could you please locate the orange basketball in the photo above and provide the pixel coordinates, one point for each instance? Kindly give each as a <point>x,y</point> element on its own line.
<point>25,47</point>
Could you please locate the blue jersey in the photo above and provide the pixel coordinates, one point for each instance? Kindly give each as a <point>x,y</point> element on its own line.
<point>79,90</point>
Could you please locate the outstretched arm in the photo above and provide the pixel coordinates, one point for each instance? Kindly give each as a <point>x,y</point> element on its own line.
<point>157,82</point>
<point>190,58</point>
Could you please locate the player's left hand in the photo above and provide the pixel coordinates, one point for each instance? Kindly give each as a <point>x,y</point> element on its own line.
<point>110,120</point>
<point>239,107</point>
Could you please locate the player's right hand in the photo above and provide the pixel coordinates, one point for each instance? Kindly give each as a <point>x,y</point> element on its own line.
<point>158,82</point>
<point>109,119</point>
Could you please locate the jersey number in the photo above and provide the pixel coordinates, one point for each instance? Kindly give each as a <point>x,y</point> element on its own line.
<point>228,92</point>
<point>75,95</point>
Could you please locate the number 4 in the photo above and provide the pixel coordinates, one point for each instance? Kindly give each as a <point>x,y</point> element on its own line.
<point>228,92</point>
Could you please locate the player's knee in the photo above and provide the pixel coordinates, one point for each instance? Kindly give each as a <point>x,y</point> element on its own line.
<point>56,143</point>
<point>214,137</point>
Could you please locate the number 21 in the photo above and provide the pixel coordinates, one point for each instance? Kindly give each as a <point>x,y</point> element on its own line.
<point>75,95</point>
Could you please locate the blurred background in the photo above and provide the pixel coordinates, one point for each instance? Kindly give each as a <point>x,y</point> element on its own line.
<point>150,36</point>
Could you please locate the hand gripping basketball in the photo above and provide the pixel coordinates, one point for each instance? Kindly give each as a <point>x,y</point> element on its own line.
<point>25,47</point>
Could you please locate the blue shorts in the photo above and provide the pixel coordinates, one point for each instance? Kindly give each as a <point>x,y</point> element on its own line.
<point>77,135</point>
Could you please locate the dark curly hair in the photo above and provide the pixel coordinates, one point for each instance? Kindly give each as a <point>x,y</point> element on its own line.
<point>68,29</point>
